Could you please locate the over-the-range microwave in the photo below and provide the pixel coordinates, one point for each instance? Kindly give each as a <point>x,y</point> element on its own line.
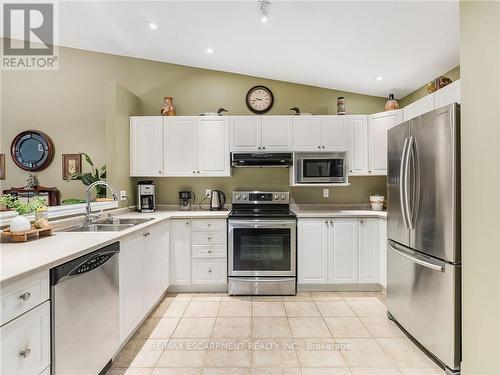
<point>321,167</point>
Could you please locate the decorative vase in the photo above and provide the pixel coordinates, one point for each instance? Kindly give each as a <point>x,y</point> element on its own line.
<point>438,83</point>
<point>168,108</point>
<point>391,103</point>
<point>340,105</point>
<point>19,224</point>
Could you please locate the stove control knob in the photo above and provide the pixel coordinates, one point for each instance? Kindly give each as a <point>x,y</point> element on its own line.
<point>282,197</point>
<point>245,197</point>
<point>238,197</point>
<point>276,197</point>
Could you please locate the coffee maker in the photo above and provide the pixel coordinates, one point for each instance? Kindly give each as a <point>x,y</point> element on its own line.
<point>146,196</point>
<point>185,198</point>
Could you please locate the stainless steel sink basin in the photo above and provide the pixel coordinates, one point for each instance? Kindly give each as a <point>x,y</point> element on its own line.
<point>109,225</point>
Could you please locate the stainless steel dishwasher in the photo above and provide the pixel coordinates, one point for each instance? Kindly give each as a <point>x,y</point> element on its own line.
<point>85,313</point>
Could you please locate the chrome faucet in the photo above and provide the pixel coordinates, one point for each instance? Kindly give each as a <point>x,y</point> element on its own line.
<point>88,211</point>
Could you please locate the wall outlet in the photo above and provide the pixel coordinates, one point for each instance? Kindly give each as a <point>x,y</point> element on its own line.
<point>208,192</point>
<point>326,193</point>
<point>123,195</point>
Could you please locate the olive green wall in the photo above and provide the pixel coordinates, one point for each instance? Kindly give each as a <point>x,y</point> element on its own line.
<point>419,93</point>
<point>480,135</point>
<point>75,104</point>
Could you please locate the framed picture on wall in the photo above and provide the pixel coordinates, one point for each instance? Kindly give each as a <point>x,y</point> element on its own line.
<point>2,166</point>
<point>71,163</point>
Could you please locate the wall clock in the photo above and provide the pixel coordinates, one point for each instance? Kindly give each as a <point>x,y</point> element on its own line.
<point>259,99</point>
<point>32,150</point>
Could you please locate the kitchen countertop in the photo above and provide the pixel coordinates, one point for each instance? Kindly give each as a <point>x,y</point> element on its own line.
<point>21,259</point>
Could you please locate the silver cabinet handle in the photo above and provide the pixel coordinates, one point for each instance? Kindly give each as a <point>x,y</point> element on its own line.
<point>361,221</point>
<point>198,172</point>
<point>187,222</point>
<point>146,234</point>
<point>416,260</point>
<point>260,148</point>
<point>210,251</point>
<point>331,222</point>
<point>210,270</point>
<point>25,296</point>
<point>263,147</point>
<point>209,238</point>
<point>209,224</point>
<point>319,146</point>
<point>323,147</point>
<point>159,172</point>
<point>194,171</point>
<point>326,221</point>
<point>25,353</point>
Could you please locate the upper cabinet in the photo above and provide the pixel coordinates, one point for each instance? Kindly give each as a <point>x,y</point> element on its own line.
<point>358,145</point>
<point>261,133</point>
<point>378,125</point>
<point>146,146</point>
<point>180,142</point>
<point>212,142</point>
<point>320,133</point>
<point>447,95</point>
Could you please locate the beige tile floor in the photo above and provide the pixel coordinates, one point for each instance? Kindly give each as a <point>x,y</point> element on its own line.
<point>316,333</point>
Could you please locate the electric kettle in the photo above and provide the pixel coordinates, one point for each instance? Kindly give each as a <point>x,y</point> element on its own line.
<point>217,200</point>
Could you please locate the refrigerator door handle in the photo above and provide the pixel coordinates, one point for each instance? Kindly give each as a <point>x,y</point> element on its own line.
<point>406,183</point>
<point>414,259</point>
<point>402,180</point>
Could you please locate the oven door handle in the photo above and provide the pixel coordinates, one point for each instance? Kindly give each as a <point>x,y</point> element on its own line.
<point>264,279</point>
<point>262,224</point>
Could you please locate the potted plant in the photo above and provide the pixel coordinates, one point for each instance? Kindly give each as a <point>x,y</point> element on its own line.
<point>88,178</point>
<point>21,223</point>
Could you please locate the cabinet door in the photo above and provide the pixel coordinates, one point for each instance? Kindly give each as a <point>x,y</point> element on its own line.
<point>180,252</point>
<point>343,251</point>
<point>312,251</point>
<point>132,283</point>
<point>447,95</point>
<point>277,133</point>
<point>358,145</point>
<point>383,252</point>
<point>246,134</point>
<point>209,271</point>
<point>213,147</point>
<point>334,133</point>
<point>180,146</point>
<point>378,125</point>
<point>25,342</point>
<point>157,256</point>
<point>146,146</point>
<point>369,250</point>
<point>418,107</point>
<point>306,133</point>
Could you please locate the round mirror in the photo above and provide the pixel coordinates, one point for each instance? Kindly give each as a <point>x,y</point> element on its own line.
<point>32,150</point>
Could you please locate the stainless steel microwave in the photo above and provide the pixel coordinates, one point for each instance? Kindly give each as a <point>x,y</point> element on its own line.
<point>321,167</point>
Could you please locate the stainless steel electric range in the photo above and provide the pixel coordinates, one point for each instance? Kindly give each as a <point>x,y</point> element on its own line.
<point>262,242</point>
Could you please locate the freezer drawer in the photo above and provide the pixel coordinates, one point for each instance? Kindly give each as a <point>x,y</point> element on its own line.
<point>423,295</point>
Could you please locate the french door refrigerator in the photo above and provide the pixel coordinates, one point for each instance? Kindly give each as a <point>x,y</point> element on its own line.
<point>423,228</point>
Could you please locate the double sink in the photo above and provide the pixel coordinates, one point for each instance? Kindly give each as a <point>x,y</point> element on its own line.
<point>109,224</point>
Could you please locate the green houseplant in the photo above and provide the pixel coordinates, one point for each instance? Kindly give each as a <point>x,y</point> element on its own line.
<point>88,178</point>
<point>21,223</point>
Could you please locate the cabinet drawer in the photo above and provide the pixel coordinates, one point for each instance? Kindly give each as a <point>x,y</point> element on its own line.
<point>209,271</point>
<point>207,251</point>
<point>208,238</point>
<point>26,342</point>
<point>207,225</point>
<point>23,295</point>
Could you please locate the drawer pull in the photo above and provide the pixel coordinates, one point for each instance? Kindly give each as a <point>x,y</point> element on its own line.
<point>26,296</point>
<point>209,224</point>
<point>210,270</point>
<point>25,353</point>
<point>210,251</point>
<point>209,238</point>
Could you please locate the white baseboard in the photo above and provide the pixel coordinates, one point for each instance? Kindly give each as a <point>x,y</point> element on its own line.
<point>339,287</point>
<point>195,288</point>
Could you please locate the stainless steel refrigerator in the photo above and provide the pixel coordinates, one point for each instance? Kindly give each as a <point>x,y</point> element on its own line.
<point>423,228</point>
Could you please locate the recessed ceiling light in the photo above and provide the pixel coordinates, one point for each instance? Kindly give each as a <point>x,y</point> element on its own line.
<point>264,19</point>
<point>153,26</point>
<point>209,50</point>
<point>379,78</point>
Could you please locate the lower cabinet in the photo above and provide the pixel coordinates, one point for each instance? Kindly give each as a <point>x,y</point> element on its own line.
<point>209,271</point>
<point>339,251</point>
<point>144,275</point>
<point>180,254</point>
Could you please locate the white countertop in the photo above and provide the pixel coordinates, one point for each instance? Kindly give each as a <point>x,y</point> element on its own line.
<point>21,259</point>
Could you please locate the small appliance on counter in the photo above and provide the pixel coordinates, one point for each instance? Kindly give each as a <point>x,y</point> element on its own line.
<point>186,198</point>
<point>377,201</point>
<point>146,196</point>
<point>217,200</point>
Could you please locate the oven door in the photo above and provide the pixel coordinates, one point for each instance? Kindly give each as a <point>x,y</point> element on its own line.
<point>262,247</point>
<point>321,170</point>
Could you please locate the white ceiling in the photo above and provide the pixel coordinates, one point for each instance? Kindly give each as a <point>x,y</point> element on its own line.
<point>332,44</point>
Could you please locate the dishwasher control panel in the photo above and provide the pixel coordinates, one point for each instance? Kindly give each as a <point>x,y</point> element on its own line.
<point>91,264</point>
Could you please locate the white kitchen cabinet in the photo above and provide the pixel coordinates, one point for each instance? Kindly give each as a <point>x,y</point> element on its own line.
<point>320,133</point>
<point>246,133</point>
<point>277,133</point>
<point>383,252</point>
<point>180,251</point>
<point>418,107</point>
<point>209,271</point>
<point>343,251</point>
<point>358,145</point>
<point>447,95</point>
<point>132,283</point>
<point>312,251</point>
<point>180,157</point>
<point>25,342</point>
<point>212,139</point>
<point>369,229</point>
<point>146,146</point>
<point>378,125</point>
<point>157,259</point>
<point>261,133</point>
